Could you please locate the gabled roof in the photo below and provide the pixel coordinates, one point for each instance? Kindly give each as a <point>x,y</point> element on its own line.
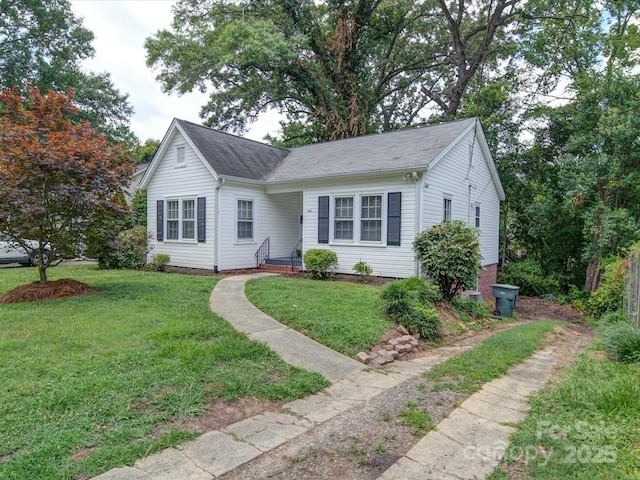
<point>233,156</point>
<point>412,149</point>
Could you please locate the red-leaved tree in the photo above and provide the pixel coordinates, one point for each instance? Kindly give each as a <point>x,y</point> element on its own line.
<point>60,181</point>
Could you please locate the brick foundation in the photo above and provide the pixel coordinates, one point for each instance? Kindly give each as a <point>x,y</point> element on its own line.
<point>486,277</point>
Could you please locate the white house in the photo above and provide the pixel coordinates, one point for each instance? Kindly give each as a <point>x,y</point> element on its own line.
<point>215,199</point>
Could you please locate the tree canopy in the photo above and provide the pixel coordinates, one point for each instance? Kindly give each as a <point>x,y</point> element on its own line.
<point>334,68</point>
<point>42,44</point>
<point>60,181</point>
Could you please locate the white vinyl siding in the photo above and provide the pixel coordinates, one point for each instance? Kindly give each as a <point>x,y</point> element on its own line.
<point>386,261</point>
<point>169,183</point>
<point>467,183</point>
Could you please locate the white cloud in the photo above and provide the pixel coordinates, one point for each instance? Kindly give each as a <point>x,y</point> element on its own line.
<point>120,28</point>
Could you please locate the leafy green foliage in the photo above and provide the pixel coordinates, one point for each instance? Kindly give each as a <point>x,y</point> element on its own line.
<point>450,255</point>
<point>344,316</point>
<point>43,44</point>
<point>320,263</point>
<point>127,251</point>
<point>621,341</point>
<point>158,262</point>
<point>139,207</point>
<point>111,370</point>
<point>408,303</point>
<point>608,296</point>
<point>144,152</point>
<point>363,269</point>
<point>527,274</point>
<point>335,69</point>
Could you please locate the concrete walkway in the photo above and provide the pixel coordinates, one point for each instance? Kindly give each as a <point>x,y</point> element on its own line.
<point>466,445</point>
<point>228,301</point>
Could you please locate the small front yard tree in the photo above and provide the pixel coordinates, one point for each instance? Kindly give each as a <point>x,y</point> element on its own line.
<point>450,256</point>
<point>60,181</point>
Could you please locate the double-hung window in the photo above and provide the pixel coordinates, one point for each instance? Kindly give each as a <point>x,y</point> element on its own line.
<point>343,218</point>
<point>189,219</point>
<point>173,219</point>
<point>245,220</point>
<point>446,209</point>
<point>371,218</point>
<point>181,219</point>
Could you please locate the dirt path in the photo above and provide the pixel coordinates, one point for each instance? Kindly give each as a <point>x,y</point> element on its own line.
<point>362,443</point>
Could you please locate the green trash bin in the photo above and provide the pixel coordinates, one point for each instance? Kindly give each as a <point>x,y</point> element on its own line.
<point>506,296</point>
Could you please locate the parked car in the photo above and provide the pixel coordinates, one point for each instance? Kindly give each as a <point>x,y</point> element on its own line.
<point>11,252</point>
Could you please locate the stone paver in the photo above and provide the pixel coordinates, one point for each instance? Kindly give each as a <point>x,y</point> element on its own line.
<point>472,440</point>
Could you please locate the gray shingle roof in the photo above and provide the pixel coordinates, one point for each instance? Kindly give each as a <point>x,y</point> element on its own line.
<point>234,156</point>
<point>411,149</point>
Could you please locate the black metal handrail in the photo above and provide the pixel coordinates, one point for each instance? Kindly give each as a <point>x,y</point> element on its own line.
<point>296,256</point>
<point>262,255</point>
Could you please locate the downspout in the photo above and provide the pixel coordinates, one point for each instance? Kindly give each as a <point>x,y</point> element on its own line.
<point>216,227</point>
<point>420,186</point>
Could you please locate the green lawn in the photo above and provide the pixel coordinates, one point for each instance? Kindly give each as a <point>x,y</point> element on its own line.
<point>344,316</point>
<point>89,383</point>
<point>588,427</point>
<point>491,359</point>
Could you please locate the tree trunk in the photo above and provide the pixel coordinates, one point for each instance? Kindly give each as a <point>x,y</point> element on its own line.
<point>593,275</point>
<point>43,272</point>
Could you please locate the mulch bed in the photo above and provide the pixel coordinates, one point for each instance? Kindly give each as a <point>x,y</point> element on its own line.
<point>35,292</point>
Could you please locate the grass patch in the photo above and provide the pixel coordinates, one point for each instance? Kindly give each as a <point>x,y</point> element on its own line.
<point>587,427</point>
<point>491,359</point>
<point>416,418</point>
<point>87,381</point>
<point>343,316</point>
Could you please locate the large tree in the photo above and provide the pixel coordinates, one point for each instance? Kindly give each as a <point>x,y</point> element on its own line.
<point>42,44</point>
<point>335,68</point>
<point>60,181</point>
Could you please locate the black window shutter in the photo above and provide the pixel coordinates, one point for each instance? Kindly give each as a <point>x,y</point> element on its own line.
<point>394,209</point>
<point>160,220</point>
<point>202,219</point>
<point>323,219</point>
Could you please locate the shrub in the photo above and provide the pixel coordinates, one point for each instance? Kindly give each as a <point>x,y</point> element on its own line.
<point>622,342</point>
<point>528,275</point>
<point>127,251</point>
<point>608,296</point>
<point>611,318</point>
<point>158,263</point>
<point>320,263</point>
<point>450,255</point>
<point>407,303</point>
<point>363,269</point>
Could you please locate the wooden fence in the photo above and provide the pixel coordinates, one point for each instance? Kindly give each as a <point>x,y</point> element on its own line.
<point>632,290</point>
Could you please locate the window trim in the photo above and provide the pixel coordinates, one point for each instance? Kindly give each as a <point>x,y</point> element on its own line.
<point>180,220</point>
<point>477,215</point>
<point>376,219</point>
<point>357,219</point>
<point>183,163</point>
<point>344,219</point>
<point>238,220</point>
